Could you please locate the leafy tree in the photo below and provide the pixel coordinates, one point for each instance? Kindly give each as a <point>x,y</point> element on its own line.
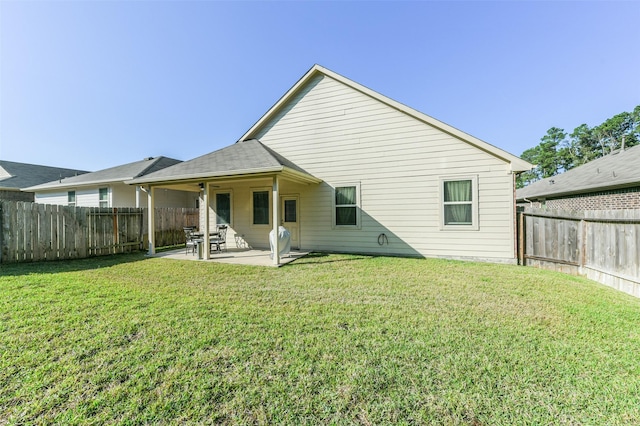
<point>556,154</point>
<point>525,178</point>
<point>548,156</point>
<point>549,161</point>
<point>584,145</point>
<point>618,130</point>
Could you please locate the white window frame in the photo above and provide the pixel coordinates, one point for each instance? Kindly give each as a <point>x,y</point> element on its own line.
<point>215,205</point>
<point>75,198</point>
<point>108,200</point>
<point>358,206</point>
<point>268,190</point>
<point>475,223</point>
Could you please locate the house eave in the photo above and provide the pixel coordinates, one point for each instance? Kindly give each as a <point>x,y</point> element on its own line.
<point>299,176</point>
<point>63,185</point>
<point>581,191</point>
<point>245,173</point>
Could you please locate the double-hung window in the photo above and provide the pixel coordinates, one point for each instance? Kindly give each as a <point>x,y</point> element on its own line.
<point>103,197</point>
<point>260,207</point>
<point>223,208</point>
<point>71,198</point>
<point>459,202</point>
<point>346,205</point>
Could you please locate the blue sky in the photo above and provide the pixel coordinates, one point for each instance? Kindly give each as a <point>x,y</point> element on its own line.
<point>95,84</point>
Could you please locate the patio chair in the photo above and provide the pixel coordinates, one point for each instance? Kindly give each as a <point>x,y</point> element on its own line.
<point>190,240</point>
<point>220,239</point>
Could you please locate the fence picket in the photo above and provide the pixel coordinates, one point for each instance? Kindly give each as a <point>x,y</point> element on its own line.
<point>602,245</point>
<point>34,232</point>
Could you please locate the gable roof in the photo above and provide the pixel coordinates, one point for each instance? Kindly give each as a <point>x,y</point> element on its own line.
<point>110,175</point>
<point>247,157</point>
<point>617,170</point>
<point>16,176</point>
<point>517,164</point>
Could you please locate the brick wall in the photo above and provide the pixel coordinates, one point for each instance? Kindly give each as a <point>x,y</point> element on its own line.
<point>628,198</point>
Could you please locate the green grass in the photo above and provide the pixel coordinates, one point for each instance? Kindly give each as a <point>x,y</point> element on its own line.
<point>328,339</point>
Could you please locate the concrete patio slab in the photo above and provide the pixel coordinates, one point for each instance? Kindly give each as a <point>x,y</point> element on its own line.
<point>235,256</point>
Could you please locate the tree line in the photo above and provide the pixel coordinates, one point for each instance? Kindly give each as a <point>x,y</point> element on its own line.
<point>559,151</point>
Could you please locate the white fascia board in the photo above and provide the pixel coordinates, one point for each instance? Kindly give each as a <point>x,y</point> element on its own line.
<point>299,176</point>
<point>202,176</point>
<point>192,178</point>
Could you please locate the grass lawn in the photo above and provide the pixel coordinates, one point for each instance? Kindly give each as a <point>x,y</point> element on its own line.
<point>328,339</point>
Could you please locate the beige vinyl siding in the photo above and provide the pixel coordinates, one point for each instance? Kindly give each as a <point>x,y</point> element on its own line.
<point>256,236</point>
<point>85,197</point>
<point>120,195</point>
<point>341,135</point>
<point>125,196</point>
<point>57,198</point>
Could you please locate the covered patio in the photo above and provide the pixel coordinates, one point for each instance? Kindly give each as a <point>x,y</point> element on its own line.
<point>234,256</point>
<point>246,187</point>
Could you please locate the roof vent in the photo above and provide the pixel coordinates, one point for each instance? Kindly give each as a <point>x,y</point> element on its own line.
<point>148,158</point>
<point>551,182</point>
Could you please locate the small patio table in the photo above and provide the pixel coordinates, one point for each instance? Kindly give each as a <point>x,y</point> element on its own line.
<point>199,240</point>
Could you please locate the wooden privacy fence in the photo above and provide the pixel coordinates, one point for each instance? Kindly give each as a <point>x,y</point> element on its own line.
<point>602,245</point>
<point>169,224</point>
<point>34,232</point>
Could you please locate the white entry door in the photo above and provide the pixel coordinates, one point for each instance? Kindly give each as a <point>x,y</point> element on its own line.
<point>290,218</point>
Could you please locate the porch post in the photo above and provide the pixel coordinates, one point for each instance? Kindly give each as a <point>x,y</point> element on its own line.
<point>151,204</point>
<point>207,220</point>
<point>276,221</point>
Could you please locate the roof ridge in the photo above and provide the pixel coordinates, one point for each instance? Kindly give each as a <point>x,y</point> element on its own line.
<point>153,161</point>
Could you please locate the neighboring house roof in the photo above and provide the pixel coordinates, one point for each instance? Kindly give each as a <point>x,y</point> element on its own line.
<point>248,157</point>
<point>517,164</point>
<point>16,176</point>
<point>617,170</point>
<point>114,174</point>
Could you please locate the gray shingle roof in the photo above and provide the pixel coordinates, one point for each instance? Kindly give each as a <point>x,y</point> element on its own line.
<point>23,175</point>
<point>246,157</point>
<point>113,174</point>
<point>617,170</point>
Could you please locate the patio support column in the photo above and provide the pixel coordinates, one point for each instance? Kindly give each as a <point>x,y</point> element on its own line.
<point>151,204</point>
<point>276,221</point>
<point>207,222</point>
